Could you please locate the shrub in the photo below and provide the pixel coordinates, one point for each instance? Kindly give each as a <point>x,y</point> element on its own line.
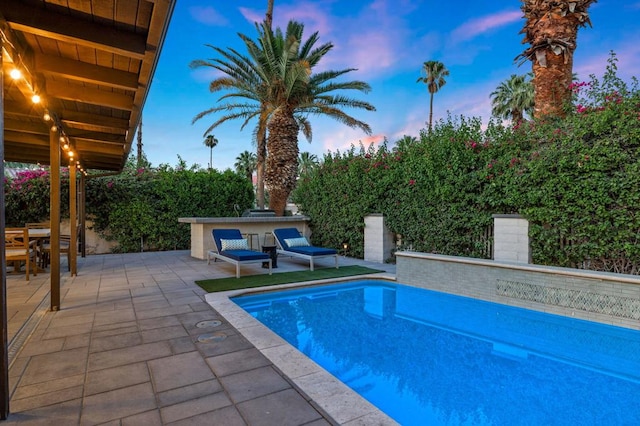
<point>139,208</point>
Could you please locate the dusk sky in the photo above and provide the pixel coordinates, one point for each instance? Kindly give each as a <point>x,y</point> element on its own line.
<point>387,41</point>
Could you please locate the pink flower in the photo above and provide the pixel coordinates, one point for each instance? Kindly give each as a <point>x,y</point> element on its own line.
<point>412,182</point>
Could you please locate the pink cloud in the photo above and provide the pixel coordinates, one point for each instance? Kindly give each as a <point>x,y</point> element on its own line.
<point>208,16</point>
<point>475,27</point>
<point>343,138</point>
<point>309,13</point>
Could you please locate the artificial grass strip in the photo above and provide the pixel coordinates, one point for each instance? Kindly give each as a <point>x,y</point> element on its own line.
<point>251,281</point>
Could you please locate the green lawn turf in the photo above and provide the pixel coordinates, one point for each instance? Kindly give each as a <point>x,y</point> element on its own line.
<point>251,281</point>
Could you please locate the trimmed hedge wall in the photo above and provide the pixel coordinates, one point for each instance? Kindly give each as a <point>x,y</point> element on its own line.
<point>576,179</point>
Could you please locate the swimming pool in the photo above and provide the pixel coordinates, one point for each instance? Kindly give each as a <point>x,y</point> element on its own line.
<point>425,357</point>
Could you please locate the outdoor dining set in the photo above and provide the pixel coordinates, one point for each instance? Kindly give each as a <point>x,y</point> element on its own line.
<point>28,248</point>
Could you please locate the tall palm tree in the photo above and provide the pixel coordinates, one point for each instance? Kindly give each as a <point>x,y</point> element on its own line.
<point>210,141</point>
<point>274,82</point>
<point>513,98</point>
<point>307,162</point>
<point>297,92</point>
<point>435,72</point>
<point>551,29</point>
<point>246,164</point>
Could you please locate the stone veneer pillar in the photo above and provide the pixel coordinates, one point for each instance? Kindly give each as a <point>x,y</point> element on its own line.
<point>511,238</point>
<point>378,240</point>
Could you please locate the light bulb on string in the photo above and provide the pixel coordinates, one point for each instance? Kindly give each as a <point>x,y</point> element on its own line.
<point>35,99</point>
<point>15,74</point>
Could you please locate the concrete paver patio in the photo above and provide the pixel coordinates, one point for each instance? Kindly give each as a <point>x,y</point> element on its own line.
<point>135,343</point>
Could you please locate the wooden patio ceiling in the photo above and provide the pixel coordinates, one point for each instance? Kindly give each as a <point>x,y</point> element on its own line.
<point>91,62</point>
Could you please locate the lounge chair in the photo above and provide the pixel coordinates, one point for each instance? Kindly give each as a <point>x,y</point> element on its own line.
<point>291,243</point>
<point>234,249</point>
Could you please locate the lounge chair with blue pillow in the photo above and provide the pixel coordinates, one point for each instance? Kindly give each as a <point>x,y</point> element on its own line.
<point>292,243</point>
<point>232,248</point>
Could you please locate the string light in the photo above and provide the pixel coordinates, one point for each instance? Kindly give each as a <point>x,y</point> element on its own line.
<point>20,71</point>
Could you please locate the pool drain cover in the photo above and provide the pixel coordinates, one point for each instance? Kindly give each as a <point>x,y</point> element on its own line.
<point>212,337</point>
<point>208,323</point>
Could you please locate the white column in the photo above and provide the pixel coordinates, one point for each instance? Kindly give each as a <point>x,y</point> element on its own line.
<point>378,240</point>
<point>511,238</point>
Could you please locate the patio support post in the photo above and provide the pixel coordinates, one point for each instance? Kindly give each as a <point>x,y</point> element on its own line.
<point>54,218</point>
<point>4,356</point>
<point>82,199</point>
<point>73,220</point>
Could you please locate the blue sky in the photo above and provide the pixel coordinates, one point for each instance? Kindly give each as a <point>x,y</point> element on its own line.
<point>387,41</point>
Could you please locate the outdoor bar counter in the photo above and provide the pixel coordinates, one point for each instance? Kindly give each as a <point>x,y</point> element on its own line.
<point>254,228</point>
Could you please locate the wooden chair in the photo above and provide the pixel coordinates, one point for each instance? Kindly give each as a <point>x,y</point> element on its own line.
<point>65,247</point>
<point>40,241</point>
<point>19,248</point>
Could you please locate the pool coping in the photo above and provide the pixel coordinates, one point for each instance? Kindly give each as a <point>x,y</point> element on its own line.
<point>337,400</point>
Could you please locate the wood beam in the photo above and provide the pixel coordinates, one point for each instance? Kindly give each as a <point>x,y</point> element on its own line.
<point>86,95</point>
<point>25,126</point>
<point>97,123</point>
<point>98,148</point>
<point>66,28</point>
<point>26,138</point>
<point>86,73</point>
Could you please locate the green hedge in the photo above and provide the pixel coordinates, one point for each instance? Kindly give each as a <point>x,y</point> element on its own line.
<point>576,179</point>
<point>139,209</point>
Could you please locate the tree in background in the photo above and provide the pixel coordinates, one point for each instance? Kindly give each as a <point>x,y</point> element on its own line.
<point>210,141</point>
<point>551,28</point>
<point>296,92</point>
<point>513,98</point>
<point>246,164</point>
<point>275,83</point>
<point>307,162</point>
<point>435,72</point>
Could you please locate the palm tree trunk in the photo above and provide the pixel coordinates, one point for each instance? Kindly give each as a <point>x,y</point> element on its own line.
<point>430,111</point>
<point>282,162</point>
<point>552,30</point>
<point>268,18</point>
<point>551,84</point>
<point>260,163</point>
<point>210,158</point>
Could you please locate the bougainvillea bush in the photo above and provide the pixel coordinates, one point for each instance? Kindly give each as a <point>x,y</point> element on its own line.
<point>26,196</point>
<point>576,178</point>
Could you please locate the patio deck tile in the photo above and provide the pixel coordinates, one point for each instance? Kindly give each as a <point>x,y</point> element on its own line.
<point>252,384</point>
<point>129,347</point>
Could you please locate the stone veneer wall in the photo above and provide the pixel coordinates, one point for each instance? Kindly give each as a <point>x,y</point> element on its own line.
<point>595,296</point>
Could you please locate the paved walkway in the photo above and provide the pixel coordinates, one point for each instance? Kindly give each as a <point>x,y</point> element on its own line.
<point>136,344</point>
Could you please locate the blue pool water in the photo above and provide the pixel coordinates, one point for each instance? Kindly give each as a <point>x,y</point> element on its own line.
<point>430,358</point>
